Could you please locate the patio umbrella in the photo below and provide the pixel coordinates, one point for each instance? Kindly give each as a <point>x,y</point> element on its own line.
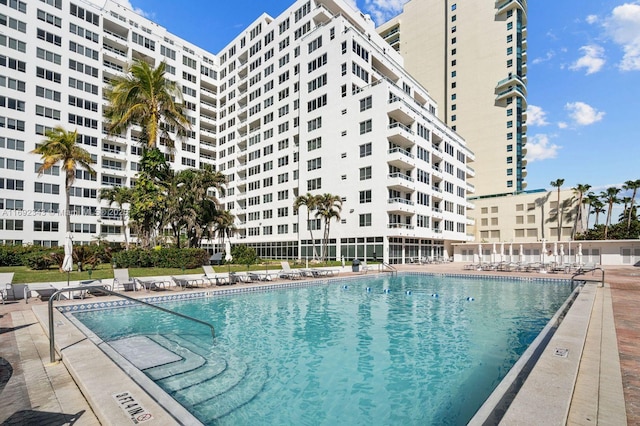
<point>544,250</point>
<point>494,255</point>
<point>502,252</point>
<point>555,251</point>
<point>579,254</point>
<point>521,253</point>
<point>67,263</point>
<point>228,257</point>
<point>511,252</point>
<point>479,253</point>
<point>562,253</point>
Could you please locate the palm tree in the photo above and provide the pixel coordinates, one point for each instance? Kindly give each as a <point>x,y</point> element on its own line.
<point>329,207</point>
<point>224,225</point>
<point>557,184</point>
<point>119,195</point>
<point>598,207</point>
<point>579,190</point>
<point>589,199</point>
<point>610,196</point>
<point>633,185</point>
<point>144,97</point>
<point>61,146</point>
<point>311,203</point>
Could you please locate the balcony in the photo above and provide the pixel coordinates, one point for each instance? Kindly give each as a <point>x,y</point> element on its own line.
<point>511,80</point>
<point>399,205</point>
<point>513,91</point>
<point>400,112</point>
<point>400,182</point>
<point>470,172</point>
<point>400,134</point>
<point>400,158</point>
<point>399,226</point>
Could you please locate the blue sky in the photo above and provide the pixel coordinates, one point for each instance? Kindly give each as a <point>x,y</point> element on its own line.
<point>583,77</point>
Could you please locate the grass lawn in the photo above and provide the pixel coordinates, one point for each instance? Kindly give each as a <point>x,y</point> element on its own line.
<point>24,275</point>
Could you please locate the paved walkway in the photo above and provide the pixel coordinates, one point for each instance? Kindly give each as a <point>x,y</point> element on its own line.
<point>33,391</point>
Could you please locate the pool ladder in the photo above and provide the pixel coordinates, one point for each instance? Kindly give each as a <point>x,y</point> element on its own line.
<point>585,280</point>
<point>52,350</point>
<point>385,267</point>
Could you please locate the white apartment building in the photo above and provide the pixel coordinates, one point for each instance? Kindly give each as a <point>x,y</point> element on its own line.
<point>310,101</point>
<point>472,56</point>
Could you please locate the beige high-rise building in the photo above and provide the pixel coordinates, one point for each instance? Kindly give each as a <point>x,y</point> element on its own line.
<point>471,57</point>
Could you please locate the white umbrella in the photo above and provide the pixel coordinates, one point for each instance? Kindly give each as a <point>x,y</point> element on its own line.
<point>511,252</point>
<point>562,253</point>
<point>479,253</point>
<point>544,250</point>
<point>67,263</point>
<point>494,256</point>
<point>227,250</point>
<point>502,252</point>
<point>521,253</point>
<point>579,254</point>
<point>555,251</point>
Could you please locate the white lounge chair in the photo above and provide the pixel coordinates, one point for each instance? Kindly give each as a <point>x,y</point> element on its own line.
<point>215,278</point>
<point>6,288</point>
<point>364,268</point>
<point>287,272</point>
<point>121,280</point>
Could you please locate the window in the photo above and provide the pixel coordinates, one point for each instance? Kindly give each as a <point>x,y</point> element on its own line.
<point>365,149</point>
<point>365,173</point>
<point>365,103</point>
<point>365,219</point>
<point>365,126</point>
<point>365,196</point>
<point>314,184</point>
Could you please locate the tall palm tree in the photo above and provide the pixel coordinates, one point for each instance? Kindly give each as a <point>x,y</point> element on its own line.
<point>633,185</point>
<point>119,195</point>
<point>311,203</point>
<point>61,146</point>
<point>224,225</point>
<point>610,196</point>
<point>590,199</point>
<point>557,184</point>
<point>598,207</point>
<point>144,97</point>
<point>579,190</point>
<point>329,207</point>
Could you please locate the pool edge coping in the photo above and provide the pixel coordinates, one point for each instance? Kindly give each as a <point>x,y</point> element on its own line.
<point>155,406</point>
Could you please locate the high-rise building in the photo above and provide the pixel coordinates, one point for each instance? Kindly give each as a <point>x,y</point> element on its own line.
<point>472,58</point>
<point>313,100</point>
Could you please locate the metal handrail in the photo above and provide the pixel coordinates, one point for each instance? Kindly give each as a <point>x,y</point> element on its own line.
<point>583,272</point>
<point>390,268</point>
<point>52,352</point>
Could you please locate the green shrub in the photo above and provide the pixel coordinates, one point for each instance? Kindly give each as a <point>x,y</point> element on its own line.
<point>41,259</point>
<point>187,258</point>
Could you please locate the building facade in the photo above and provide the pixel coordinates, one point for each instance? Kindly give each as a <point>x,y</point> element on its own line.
<point>312,101</point>
<point>472,58</point>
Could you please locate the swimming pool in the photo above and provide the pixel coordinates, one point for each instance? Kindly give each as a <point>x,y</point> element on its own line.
<point>429,351</point>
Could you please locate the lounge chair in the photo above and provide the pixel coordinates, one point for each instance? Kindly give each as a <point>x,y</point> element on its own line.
<point>262,276</point>
<point>6,287</point>
<point>149,285</point>
<point>324,272</point>
<point>364,268</point>
<point>121,280</point>
<point>287,272</point>
<point>215,278</point>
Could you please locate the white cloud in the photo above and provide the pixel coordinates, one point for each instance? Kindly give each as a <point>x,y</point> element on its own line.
<point>592,60</point>
<point>583,114</point>
<point>562,125</point>
<point>623,26</point>
<point>550,54</point>
<point>383,10</point>
<point>536,116</point>
<point>540,148</point>
<point>592,19</point>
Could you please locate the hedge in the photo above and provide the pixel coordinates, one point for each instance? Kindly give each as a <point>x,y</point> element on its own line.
<point>188,258</point>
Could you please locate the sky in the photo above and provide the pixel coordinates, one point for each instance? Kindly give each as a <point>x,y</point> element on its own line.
<point>583,75</point>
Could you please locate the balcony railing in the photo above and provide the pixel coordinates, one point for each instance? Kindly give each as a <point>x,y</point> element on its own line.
<point>401,201</point>
<point>399,226</point>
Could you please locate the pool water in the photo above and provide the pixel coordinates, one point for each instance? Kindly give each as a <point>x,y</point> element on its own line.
<point>347,353</point>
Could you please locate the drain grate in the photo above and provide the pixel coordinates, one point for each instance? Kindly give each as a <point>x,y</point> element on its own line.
<point>561,352</point>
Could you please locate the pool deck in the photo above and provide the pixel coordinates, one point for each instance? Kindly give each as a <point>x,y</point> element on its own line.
<point>601,386</point>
